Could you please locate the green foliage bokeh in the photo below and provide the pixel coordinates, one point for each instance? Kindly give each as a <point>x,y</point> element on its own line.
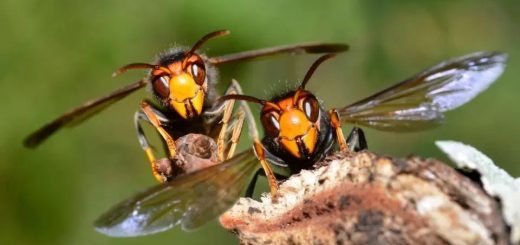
<point>57,54</point>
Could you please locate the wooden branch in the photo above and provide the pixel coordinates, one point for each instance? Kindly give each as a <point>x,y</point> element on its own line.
<point>368,199</point>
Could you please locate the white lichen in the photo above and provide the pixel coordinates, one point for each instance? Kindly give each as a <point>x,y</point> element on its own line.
<point>496,181</point>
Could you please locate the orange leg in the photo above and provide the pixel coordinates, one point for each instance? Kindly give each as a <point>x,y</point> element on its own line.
<point>147,113</point>
<point>271,179</point>
<point>221,144</point>
<point>226,110</point>
<point>257,145</point>
<point>245,114</point>
<point>154,120</point>
<point>235,136</point>
<point>336,124</point>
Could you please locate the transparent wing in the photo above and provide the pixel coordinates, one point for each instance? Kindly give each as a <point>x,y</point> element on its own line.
<point>190,200</point>
<point>309,48</point>
<point>419,102</point>
<point>81,113</point>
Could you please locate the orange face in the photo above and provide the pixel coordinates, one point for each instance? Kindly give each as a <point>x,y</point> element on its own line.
<point>182,85</point>
<point>293,121</point>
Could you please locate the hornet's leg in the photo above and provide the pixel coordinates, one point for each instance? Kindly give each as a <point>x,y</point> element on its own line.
<point>336,124</point>
<point>226,110</point>
<point>356,140</point>
<point>260,154</point>
<point>251,187</point>
<point>257,145</point>
<point>237,129</point>
<point>156,118</point>
<point>259,150</point>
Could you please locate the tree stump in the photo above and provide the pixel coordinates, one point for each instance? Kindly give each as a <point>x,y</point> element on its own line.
<point>363,198</point>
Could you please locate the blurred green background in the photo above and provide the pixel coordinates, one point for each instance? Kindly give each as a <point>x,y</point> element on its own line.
<point>57,54</point>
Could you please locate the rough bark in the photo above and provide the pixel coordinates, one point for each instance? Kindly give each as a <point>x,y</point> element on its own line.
<point>368,199</point>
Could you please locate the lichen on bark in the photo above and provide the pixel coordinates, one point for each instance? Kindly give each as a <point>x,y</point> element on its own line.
<point>364,198</point>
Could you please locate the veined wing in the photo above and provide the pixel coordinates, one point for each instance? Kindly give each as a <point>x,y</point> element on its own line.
<point>190,200</point>
<point>419,102</point>
<point>81,113</point>
<point>310,48</point>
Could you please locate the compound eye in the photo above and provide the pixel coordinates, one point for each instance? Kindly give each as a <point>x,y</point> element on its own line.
<point>161,86</point>
<point>198,72</point>
<point>271,124</point>
<point>309,105</point>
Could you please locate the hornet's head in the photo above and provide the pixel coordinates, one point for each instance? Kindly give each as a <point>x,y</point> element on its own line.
<point>181,85</point>
<point>179,79</point>
<point>292,120</point>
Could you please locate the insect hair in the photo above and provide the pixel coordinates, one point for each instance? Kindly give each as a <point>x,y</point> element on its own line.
<point>280,89</point>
